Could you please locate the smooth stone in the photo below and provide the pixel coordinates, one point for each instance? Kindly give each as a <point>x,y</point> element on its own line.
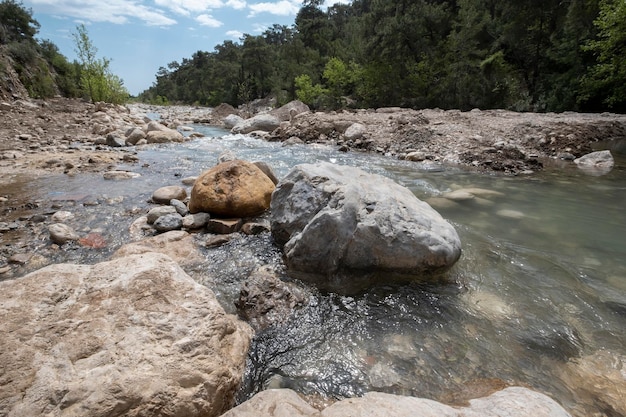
<point>163,195</point>
<point>157,212</point>
<point>181,208</point>
<point>177,244</point>
<point>168,223</point>
<point>120,175</point>
<point>196,220</point>
<point>61,233</point>
<point>224,226</point>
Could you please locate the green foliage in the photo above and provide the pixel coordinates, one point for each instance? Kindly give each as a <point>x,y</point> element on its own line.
<point>96,79</point>
<point>308,93</point>
<point>16,23</point>
<point>606,80</point>
<point>420,53</point>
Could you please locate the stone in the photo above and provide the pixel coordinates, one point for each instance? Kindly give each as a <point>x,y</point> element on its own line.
<point>226,156</point>
<point>169,222</point>
<point>178,245</point>
<point>196,221</point>
<point>61,233</point>
<point>415,156</point>
<point>265,300</point>
<point>263,122</point>
<point>115,141</point>
<point>598,378</point>
<point>163,195</point>
<point>290,110</point>
<point>181,208</point>
<point>255,228</point>
<point>355,131</point>
<point>509,402</point>
<point>157,212</point>
<point>596,163</point>
<point>120,175</point>
<point>62,216</point>
<point>134,135</point>
<point>189,180</point>
<point>224,226</point>
<point>158,133</point>
<point>333,220</point>
<point>232,120</point>
<point>267,170</point>
<point>135,336</point>
<point>232,189</point>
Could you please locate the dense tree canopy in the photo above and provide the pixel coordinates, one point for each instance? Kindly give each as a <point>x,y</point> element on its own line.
<point>539,55</point>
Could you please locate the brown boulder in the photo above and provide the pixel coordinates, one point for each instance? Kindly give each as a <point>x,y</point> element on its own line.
<point>232,189</point>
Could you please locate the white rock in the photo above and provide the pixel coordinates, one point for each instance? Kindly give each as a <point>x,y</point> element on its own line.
<point>135,336</point>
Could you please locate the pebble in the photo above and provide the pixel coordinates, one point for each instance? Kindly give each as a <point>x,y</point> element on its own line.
<point>196,221</point>
<point>120,175</point>
<point>160,211</point>
<point>61,233</point>
<point>62,216</point>
<point>181,208</point>
<point>165,194</point>
<point>168,223</point>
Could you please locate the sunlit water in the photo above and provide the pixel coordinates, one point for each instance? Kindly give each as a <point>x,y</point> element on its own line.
<point>542,278</point>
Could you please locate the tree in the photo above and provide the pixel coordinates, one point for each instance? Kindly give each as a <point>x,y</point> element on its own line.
<point>16,23</point>
<point>97,80</point>
<point>606,81</point>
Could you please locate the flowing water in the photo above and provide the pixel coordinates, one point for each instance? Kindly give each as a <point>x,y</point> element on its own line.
<point>542,278</point>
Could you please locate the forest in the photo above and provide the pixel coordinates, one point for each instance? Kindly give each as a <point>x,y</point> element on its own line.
<point>523,55</point>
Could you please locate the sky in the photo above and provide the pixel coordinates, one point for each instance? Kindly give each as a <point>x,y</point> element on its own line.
<point>139,36</point>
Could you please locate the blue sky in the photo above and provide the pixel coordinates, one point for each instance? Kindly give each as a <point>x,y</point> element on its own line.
<point>139,36</point>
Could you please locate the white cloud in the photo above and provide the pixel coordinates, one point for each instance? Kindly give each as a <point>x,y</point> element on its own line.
<point>208,20</point>
<point>235,34</point>
<point>113,11</point>
<point>280,8</point>
<point>186,7</point>
<point>237,4</point>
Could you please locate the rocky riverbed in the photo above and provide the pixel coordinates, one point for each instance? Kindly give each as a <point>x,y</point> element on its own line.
<point>73,138</point>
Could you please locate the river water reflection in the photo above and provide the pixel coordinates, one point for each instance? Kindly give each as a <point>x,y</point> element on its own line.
<point>542,279</point>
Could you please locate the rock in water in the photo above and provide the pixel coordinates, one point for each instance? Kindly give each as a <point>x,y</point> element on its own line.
<point>232,189</point>
<point>334,219</point>
<point>510,402</point>
<point>131,337</point>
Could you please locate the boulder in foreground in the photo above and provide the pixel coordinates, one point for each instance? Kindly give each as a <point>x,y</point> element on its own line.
<point>510,402</point>
<point>131,337</point>
<point>335,219</point>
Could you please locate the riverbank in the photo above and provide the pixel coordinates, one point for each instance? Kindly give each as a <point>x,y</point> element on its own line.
<point>63,135</point>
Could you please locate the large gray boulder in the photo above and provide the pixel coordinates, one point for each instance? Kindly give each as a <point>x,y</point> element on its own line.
<point>263,122</point>
<point>510,402</point>
<point>334,219</point>
<point>131,337</point>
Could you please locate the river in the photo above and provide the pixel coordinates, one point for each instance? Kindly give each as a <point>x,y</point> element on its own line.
<point>542,277</point>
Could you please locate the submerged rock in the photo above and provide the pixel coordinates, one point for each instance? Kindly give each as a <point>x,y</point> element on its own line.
<point>596,163</point>
<point>333,219</point>
<point>510,402</point>
<point>135,336</point>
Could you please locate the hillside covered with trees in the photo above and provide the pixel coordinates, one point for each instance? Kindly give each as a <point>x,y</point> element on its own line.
<point>548,55</point>
<point>36,68</point>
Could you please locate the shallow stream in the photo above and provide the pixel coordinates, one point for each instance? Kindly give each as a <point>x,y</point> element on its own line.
<point>542,278</point>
